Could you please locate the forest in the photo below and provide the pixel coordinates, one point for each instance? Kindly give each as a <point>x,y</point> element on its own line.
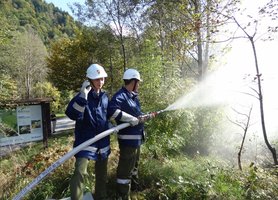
<point>195,150</point>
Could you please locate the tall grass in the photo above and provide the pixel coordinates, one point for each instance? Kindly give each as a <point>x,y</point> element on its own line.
<point>21,167</point>
<point>174,176</point>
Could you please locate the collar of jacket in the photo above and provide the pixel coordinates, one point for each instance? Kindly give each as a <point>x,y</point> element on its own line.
<point>96,95</point>
<point>131,95</point>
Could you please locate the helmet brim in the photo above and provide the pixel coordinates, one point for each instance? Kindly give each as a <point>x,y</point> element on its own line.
<point>97,77</point>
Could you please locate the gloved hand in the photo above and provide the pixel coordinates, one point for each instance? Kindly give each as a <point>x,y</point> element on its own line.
<point>85,89</point>
<point>143,118</point>
<point>134,121</point>
<point>129,118</point>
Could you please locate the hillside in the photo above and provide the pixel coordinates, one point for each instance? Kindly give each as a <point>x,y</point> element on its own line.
<point>49,21</point>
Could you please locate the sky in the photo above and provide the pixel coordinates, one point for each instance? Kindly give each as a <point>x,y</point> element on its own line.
<point>63,4</point>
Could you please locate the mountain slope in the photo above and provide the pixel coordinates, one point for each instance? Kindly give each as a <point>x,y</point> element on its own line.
<point>49,21</point>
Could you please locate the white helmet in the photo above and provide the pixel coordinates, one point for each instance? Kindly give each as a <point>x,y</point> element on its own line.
<point>131,74</point>
<point>95,71</point>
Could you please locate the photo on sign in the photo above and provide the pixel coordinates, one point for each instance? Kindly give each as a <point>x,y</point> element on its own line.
<point>24,129</point>
<point>36,124</point>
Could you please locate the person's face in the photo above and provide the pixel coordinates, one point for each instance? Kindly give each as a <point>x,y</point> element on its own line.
<point>97,83</point>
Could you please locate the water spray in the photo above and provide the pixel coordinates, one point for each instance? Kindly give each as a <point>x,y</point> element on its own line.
<point>80,147</point>
<point>161,111</point>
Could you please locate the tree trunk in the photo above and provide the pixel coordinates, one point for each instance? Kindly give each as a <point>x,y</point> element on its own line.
<point>111,70</point>
<point>208,25</point>
<point>199,40</point>
<point>243,139</point>
<point>123,49</point>
<point>251,39</point>
<point>272,149</point>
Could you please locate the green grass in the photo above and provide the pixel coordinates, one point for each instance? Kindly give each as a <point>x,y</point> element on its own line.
<point>60,115</point>
<point>175,178</point>
<point>8,117</point>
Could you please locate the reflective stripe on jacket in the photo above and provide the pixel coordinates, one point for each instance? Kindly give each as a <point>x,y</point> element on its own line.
<point>91,119</point>
<point>127,102</point>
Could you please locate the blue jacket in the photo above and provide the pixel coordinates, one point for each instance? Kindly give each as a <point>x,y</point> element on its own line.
<point>127,102</point>
<point>91,119</point>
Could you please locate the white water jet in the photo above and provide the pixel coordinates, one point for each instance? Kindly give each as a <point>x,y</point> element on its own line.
<point>213,91</point>
<point>234,84</point>
<point>230,86</point>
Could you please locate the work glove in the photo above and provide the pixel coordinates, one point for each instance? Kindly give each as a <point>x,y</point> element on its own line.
<point>85,89</point>
<point>129,118</point>
<point>143,118</point>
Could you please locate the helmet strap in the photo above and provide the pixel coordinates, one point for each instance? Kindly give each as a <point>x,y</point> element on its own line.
<point>134,86</point>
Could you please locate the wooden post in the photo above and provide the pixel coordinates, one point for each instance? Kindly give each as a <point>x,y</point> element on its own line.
<point>46,123</point>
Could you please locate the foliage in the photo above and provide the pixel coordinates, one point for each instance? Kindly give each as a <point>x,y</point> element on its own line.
<point>188,131</point>
<point>47,90</point>
<point>70,58</point>
<point>27,28</point>
<point>49,22</point>
<point>203,123</point>
<point>259,183</point>
<point>200,178</point>
<point>120,17</point>
<point>163,140</point>
<point>167,50</point>
<point>21,167</point>
<point>6,27</point>
<point>184,30</point>
<point>167,176</point>
<point>268,11</point>
<point>66,96</point>
<point>8,88</point>
<point>8,125</point>
<point>29,65</point>
<point>148,63</point>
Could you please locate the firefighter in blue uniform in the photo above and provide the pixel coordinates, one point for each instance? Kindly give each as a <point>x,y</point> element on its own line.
<point>89,109</point>
<point>125,107</point>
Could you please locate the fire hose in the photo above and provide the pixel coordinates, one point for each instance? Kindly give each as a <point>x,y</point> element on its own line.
<point>75,150</point>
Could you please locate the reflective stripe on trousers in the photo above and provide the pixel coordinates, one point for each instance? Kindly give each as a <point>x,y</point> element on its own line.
<point>123,181</point>
<point>130,137</point>
<point>94,149</point>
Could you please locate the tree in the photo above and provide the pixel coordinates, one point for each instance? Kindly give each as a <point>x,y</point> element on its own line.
<point>28,66</point>
<point>250,31</point>
<point>44,18</point>
<point>8,88</point>
<point>184,31</point>
<point>259,92</point>
<point>69,58</point>
<point>46,89</point>
<point>114,15</point>
<point>6,35</point>
<point>244,126</point>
